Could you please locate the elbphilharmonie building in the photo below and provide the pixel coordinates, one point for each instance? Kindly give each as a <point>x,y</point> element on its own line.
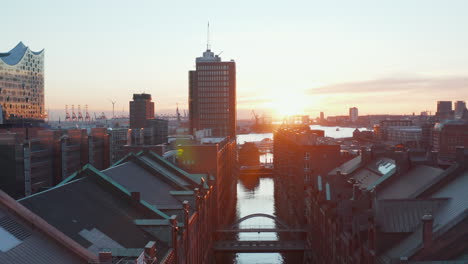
<point>22,84</point>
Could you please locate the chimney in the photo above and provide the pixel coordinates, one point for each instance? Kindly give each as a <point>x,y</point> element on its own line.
<point>135,196</point>
<point>404,260</point>
<point>433,158</point>
<point>150,252</point>
<point>356,192</point>
<point>428,221</point>
<point>365,155</point>
<point>105,257</point>
<point>402,161</point>
<point>460,156</point>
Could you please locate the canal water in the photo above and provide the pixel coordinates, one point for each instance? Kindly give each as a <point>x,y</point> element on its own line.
<point>256,195</point>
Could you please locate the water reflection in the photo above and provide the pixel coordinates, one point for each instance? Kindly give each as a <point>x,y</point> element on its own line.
<point>256,198</point>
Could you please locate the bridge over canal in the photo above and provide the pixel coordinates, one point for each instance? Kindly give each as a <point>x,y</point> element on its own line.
<point>252,246</point>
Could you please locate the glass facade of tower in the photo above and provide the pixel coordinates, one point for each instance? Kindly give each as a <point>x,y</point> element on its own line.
<point>212,95</point>
<point>22,84</point>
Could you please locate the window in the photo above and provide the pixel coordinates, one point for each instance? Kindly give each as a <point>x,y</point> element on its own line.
<point>306,156</point>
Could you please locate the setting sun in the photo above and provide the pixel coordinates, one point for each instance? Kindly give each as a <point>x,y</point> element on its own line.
<point>287,104</point>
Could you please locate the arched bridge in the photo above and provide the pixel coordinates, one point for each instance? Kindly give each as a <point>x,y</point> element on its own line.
<point>259,245</point>
<point>279,227</point>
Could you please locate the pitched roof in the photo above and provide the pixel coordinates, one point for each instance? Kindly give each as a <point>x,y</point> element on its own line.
<point>153,189</point>
<point>348,167</point>
<point>20,243</point>
<point>450,214</point>
<point>404,215</point>
<point>374,172</point>
<point>94,215</point>
<point>409,183</point>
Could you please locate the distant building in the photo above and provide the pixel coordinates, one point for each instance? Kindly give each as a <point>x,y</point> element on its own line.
<point>37,159</point>
<point>444,110</point>
<point>141,109</point>
<point>118,138</point>
<point>322,117</point>
<point>409,135</point>
<point>158,128</point>
<point>353,114</point>
<point>449,135</point>
<point>460,109</point>
<point>212,95</point>
<point>249,155</point>
<point>381,130</point>
<point>22,84</point>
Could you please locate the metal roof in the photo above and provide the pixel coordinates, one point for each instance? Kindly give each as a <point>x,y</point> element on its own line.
<point>454,211</point>
<point>136,179</point>
<point>29,246</point>
<point>404,215</point>
<point>93,214</point>
<point>404,186</point>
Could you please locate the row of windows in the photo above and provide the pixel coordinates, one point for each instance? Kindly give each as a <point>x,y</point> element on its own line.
<point>210,120</point>
<point>216,84</point>
<point>212,67</point>
<point>213,100</point>
<point>214,89</point>
<point>213,94</point>
<point>214,110</point>
<point>18,100</point>
<point>212,73</point>
<point>215,78</point>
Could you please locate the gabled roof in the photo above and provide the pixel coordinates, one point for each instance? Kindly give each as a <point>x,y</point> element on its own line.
<point>153,189</point>
<point>166,169</point>
<point>21,243</point>
<point>95,213</point>
<point>448,216</point>
<point>404,215</point>
<point>374,172</point>
<point>409,183</point>
<point>348,167</point>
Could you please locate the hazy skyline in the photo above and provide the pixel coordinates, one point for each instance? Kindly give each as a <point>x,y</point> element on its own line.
<point>394,57</point>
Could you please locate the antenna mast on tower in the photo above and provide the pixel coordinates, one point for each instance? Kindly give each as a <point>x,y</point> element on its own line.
<point>208,46</point>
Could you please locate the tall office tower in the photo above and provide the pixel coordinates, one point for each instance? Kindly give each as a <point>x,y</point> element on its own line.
<point>460,109</point>
<point>444,110</point>
<point>212,95</point>
<point>444,106</point>
<point>353,114</point>
<point>141,109</point>
<point>22,84</point>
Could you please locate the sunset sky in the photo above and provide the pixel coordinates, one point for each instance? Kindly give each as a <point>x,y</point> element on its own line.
<point>292,56</point>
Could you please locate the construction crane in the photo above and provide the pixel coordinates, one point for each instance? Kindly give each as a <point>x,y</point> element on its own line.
<point>87,116</point>
<point>67,114</point>
<point>178,113</point>
<point>256,117</point>
<point>80,115</point>
<point>73,113</point>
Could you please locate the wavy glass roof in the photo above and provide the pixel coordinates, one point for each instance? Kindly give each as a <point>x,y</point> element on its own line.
<point>15,55</point>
